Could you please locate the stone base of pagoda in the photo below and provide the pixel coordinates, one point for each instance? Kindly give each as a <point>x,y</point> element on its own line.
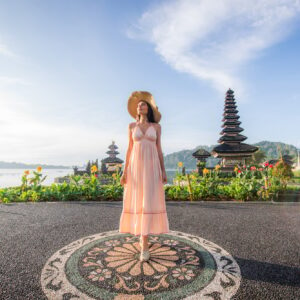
<point>231,162</point>
<point>227,169</point>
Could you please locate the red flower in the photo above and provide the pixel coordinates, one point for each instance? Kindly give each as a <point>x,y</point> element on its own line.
<point>271,166</point>
<point>253,168</point>
<point>266,164</point>
<point>239,171</point>
<point>96,175</point>
<point>244,166</point>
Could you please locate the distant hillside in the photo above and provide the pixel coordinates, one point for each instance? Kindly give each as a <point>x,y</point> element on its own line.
<point>186,157</point>
<point>16,165</point>
<point>270,149</point>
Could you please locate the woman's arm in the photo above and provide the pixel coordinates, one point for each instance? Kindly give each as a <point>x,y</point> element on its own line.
<point>130,143</point>
<point>159,150</point>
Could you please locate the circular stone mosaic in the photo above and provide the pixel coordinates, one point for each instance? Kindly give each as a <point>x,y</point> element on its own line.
<point>107,266</point>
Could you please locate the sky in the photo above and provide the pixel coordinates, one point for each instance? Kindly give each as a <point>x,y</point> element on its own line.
<point>67,69</point>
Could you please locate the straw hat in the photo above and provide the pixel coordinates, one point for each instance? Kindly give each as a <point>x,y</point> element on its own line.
<point>137,96</point>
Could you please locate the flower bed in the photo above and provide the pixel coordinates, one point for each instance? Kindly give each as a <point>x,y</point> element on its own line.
<point>249,183</point>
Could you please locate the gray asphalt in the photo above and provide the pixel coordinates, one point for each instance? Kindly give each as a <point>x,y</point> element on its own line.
<point>263,238</point>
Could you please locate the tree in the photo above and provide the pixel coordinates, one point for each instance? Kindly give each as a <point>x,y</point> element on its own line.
<point>257,157</point>
<point>88,167</point>
<point>103,168</point>
<point>283,171</point>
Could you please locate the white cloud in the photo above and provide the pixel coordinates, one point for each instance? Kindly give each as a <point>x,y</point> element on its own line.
<point>212,39</point>
<point>5,80</point>
<point>27,137</point>
<point>4,50</point>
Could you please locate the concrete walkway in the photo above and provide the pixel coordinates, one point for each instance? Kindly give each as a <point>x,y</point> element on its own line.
<point>262,238</point>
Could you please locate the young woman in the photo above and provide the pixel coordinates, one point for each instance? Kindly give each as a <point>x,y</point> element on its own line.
<point>144,208</point>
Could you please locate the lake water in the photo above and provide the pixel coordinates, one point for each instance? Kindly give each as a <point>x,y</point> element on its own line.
<point>13,177</point>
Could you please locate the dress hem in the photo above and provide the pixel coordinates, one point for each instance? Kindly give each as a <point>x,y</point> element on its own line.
<point>143,234</point>
<point>128,212</point>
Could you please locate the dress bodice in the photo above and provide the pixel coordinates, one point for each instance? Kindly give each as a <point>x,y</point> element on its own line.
<point>138,135</point>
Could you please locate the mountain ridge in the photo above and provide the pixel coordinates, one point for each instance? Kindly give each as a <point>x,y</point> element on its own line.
<point>271,150</point>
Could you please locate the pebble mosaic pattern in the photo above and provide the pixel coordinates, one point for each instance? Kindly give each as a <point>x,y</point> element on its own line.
<point>107,266</point>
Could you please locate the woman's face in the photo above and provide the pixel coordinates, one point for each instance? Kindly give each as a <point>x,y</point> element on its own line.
<point>142,108</point>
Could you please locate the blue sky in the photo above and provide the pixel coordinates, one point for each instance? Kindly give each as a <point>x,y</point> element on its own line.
<point>68,67</point>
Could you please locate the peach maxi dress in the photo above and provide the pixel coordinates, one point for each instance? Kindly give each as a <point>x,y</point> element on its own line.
<point>144,208</point>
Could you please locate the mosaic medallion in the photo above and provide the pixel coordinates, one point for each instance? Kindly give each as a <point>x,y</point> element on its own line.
<point>107,266</point>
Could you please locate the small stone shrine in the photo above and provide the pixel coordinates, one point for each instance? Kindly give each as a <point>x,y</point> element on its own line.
<point>286,158</point>
<point>201,155</point>
<point>112,162</point>
<point>231,149</point>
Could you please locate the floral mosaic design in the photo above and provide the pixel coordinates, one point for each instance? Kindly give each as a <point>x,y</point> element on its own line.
<point>171,263</point>
<point>107,266</point>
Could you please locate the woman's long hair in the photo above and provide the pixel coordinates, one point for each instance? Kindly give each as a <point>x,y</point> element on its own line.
<point>150,114</point>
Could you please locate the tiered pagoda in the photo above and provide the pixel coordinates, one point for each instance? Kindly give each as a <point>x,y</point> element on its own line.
<point>232,150</point>
<point>111,162</point>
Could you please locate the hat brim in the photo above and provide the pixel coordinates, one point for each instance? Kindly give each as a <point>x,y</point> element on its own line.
<point>136,97</point>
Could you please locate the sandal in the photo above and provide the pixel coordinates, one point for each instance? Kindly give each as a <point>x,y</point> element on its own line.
<point>145,255</point>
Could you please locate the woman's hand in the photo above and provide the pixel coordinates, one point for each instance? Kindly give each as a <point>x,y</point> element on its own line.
<point>164,177</point>
<point>123,178</point>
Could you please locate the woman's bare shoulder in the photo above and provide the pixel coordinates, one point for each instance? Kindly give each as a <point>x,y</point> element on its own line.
<point>131,125</point>
<point>157,125</point>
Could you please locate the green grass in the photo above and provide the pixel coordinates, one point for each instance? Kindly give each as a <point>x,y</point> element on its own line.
<point>297,173</point>
<point>293,187</point>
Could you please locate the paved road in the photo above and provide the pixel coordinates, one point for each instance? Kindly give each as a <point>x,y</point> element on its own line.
<point>264,239</point>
